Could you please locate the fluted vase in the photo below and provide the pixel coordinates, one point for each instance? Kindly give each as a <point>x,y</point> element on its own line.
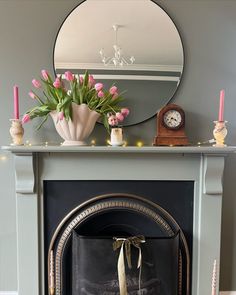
<point>77,130</point>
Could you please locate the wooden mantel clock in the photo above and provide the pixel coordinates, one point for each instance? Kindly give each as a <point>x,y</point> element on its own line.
<point>171,126</point>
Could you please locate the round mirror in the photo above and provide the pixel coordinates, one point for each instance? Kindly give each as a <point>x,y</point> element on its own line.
<point>133,44</point>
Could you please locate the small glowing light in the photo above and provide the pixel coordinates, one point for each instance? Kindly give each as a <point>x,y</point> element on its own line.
<point>125,143</point>
<point>46,143</point>
<point>108,142</point>
<point>27,143</point>
<point>139,144</point>
<point>61,143</point>
<point>199,143</point>
<point>171,145</point>
<point>93,142</point>
<point>3,158</point>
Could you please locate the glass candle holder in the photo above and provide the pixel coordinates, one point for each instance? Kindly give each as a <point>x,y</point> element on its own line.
<point>17,132</point>
<point>220,132</point>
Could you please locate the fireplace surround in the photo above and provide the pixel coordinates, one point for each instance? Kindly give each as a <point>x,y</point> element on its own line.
<point>34,165</point>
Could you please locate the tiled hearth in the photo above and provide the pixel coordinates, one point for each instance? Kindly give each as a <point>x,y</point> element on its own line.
<point>34,165</point>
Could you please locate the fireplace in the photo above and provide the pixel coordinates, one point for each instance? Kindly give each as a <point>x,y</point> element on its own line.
<point>37,166</point>
<point>155,209</point>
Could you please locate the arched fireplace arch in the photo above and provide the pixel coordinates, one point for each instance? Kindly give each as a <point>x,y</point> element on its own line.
<point>100,216</point>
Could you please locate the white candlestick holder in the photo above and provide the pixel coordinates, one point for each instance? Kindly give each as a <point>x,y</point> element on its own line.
<point>17,132</point>
<point>220,132</point>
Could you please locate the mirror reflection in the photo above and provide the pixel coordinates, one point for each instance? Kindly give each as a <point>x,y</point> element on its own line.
<point>131,43</point>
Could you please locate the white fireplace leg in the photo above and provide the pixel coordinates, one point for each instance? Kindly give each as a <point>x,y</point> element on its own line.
<point>27,226</point>
<point>209,235</point>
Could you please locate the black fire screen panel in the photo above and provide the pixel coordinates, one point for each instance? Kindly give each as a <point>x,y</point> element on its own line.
<point>94,266</point>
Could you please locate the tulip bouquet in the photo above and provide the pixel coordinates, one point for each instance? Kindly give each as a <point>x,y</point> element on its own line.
<point>81,90</point>
<point>115,119</point>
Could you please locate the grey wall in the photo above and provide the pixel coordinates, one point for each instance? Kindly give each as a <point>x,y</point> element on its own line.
<point>208,28</point>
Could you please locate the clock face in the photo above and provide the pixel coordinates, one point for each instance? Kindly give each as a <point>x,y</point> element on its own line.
<point>173,119</point>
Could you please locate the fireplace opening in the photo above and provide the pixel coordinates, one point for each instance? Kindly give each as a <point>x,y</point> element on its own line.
<point>158,210</point>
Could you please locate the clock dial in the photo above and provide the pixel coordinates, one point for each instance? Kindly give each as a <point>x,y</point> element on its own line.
<point>172,119</point>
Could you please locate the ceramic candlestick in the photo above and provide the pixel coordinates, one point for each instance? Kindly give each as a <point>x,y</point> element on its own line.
<point>17,132</point>
<point>220,133</point>
<point>116,136</point>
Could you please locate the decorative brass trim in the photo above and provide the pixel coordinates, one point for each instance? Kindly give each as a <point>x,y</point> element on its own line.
<point>100,207</point>
<point>180,272</point>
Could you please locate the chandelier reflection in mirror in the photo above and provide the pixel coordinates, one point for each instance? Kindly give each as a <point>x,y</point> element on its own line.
<point>118,60</point>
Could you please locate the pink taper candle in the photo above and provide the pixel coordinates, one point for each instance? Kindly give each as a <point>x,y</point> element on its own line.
<point>221,108</point>
<point>214,278</point>
<point>16,103</point>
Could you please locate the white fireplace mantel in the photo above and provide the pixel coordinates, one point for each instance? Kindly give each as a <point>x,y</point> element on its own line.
<point>34,164</point>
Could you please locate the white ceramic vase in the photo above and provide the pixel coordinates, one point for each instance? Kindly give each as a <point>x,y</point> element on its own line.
<point>77,130</point>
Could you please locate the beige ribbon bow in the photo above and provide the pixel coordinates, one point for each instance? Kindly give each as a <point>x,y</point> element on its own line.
<point>126,243</point>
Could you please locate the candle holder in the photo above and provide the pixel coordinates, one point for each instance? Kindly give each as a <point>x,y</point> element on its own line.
<point>220,132</point>
<point>17,132</point>
<point>116,137</point>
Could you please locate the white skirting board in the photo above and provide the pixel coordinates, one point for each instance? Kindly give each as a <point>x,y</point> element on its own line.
<point>15,293</point>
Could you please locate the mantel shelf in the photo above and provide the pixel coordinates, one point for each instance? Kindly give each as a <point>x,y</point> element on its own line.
<point>128,149</point>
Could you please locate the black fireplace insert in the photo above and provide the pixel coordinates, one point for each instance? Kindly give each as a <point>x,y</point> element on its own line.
<point>159,210</point>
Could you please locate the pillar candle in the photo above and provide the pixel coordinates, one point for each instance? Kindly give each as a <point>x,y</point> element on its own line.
<point>221,108</point>
<point>16,103</point>
<point>116,136</point>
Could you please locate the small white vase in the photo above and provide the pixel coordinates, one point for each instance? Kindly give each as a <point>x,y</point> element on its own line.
<point>77,130</point>
<point>116,136</point>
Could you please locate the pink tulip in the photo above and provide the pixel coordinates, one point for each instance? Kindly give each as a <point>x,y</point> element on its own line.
<point>119,117</point>
<point>44,74</point>
<point>113,90</point>
<point>81,80</point>
<point>69,76</point>
<point>32,95</point>
<point>36,83</point>
<point>112,120</point>
<point>25,119</point>
<point>91,80</point>
<point>100,94</point>
<point>60,116</point>
<point>57,83</point>
<point>125,112</point>
<point>115,95</point>
<point>98,86</point>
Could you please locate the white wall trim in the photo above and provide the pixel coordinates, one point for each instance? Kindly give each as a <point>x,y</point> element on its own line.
<point>132,77</point>
<point>133,67</point>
